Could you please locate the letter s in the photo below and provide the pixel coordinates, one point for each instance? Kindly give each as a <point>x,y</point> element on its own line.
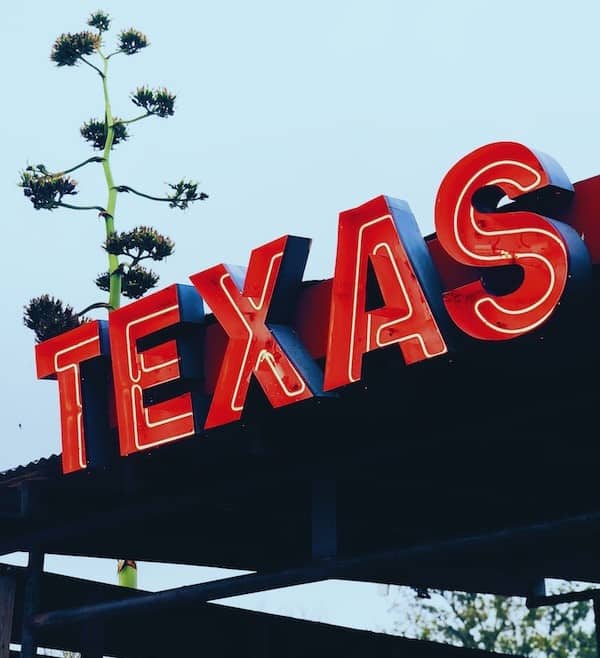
<point>477,232</point>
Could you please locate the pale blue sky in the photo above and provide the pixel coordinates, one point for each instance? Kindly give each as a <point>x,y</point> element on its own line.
<point>288,113</point>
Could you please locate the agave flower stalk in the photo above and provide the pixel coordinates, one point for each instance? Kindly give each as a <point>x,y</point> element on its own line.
<point>127,573</point>
<point>114,296</point>
<point>49,190</point>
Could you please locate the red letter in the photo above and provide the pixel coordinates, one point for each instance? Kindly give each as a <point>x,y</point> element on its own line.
<point>148,372</point>
<point>382,232</point>
<point>62,358</point>
<point>255,311</point>
<point>475,231</point>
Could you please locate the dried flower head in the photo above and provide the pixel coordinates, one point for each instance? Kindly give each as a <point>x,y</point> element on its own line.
<point>132,41</point>
<point>140,243</point>
<point>69,48</point>
<point>44,190</point>
<point>94,131</point>
<point>100,20</point>
<point>158,101</point>
<point>49,317</point>
<point>135,281</point>
<point>184,192</point>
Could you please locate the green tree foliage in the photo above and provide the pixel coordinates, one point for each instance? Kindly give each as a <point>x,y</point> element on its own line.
<point>494,623</point>
<point>51,190</point>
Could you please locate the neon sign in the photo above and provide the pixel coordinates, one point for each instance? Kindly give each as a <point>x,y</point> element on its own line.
<point>513,236</point>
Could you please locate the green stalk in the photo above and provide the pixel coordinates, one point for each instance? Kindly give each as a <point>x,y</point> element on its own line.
<point>126,569</point>
<point>142,116</point>
<point>78,166</point>
<point>127,573</point>
<point>114,295</point>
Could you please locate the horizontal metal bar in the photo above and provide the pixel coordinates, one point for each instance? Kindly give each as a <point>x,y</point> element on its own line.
<point>82,526</point>
<point>565,597</point>
<point>312,572</point>
<point>203,592</point>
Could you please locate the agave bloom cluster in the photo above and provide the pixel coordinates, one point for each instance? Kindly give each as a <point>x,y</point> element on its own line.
<point>46,190</point>
<point>159,101</point>
<point>48,317</point>
<point>96,132</point>
<point>141,243</point>
<point>69,48</point>
<point>184,192</point>
<point>132,41</point>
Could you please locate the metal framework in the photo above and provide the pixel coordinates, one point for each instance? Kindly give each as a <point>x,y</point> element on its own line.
<point>475,472</point>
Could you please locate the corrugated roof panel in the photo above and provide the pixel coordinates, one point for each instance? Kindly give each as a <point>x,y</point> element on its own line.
<point>37,468</point>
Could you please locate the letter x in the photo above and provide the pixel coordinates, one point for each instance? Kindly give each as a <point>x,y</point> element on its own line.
<point>255,307</point>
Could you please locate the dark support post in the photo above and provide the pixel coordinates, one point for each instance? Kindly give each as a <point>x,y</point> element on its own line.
<point>537,588</point>
<point>29,494</point>
<point>324,518</point>
<point>7,606</point>
<point>31,595</point>
<point>596,601</point>
<point>93,641</point>
<point>262,644</point>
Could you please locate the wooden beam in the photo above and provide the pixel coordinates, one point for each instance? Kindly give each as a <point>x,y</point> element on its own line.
<point>317,570</point>
<point>324,518</point>
<point>7,608</point>
<point>31,595</point>
<point>92,641</point>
